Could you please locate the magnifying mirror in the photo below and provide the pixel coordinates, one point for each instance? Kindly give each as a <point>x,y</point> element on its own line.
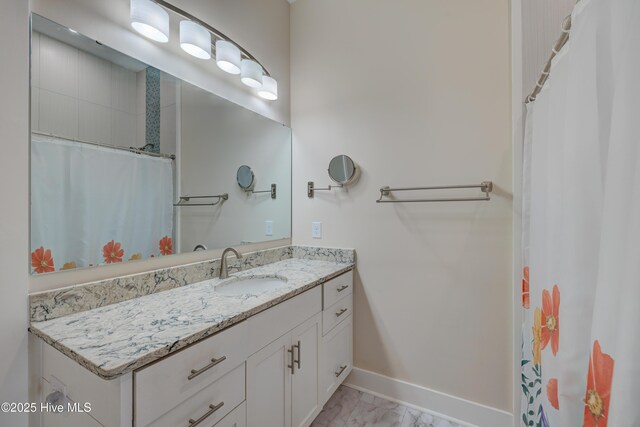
<point>245,177</point>
<point>342,169</point>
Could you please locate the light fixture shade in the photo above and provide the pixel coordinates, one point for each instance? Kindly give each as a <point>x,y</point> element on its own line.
<point>150,20</point>
<point>269,88</point>
<point>195,39</point>
<point>251,73</point>
<point>228,56</point>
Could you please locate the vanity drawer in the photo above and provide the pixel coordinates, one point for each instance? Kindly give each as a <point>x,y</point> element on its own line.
<point>237,417</point>
<point>335,314</point>
<point>273,323</point>
<point>337,346</point>
<point>216,400</point>
<point>165,384</point>
<point>337,288</point>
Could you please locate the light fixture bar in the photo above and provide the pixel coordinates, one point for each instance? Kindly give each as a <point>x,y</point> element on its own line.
<point>216,33</point>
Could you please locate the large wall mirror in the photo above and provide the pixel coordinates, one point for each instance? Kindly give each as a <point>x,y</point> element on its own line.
<point>130,163</point>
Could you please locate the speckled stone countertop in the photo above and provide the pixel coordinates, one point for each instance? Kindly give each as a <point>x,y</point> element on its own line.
<point>116,339</point>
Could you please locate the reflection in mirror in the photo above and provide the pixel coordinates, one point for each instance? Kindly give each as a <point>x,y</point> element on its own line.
<point>116,143</point>
<point>342,169</point>
<point>244,176</point>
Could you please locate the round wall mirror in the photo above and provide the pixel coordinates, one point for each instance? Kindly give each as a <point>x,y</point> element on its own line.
<point>245,177</point>
<point>342,169</point>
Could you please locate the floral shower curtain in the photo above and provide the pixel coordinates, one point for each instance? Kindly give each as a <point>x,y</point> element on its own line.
<point>581,280</point>
<point>94,205</point>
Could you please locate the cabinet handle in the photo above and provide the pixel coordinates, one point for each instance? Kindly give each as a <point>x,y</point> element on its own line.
<point>212,409</point>
<point>299,357</point>
<point>341,312</point>
<point>340,371</point>
<point>342,288</point>
<point>292,366</point>
<point>214,362</point>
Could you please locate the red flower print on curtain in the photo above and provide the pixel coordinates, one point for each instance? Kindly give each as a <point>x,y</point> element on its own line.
<point>42,261</point>
<point>550,319</point>
<point>112,252</point>
<point>552,392</point>
<point>525,287</point>
<point>596,400</point>
<point>166,247</point>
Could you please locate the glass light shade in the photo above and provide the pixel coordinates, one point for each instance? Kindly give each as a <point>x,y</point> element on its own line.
<point>150,20</point>
<point>228,56</point>
<point>195,39</point>
<point>251,73</point>
<point>269,88</point>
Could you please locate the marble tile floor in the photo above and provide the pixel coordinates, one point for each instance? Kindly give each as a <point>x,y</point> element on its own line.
<point>352,408</point>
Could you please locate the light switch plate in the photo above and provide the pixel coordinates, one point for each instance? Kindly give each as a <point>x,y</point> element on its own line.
<point>316,230</point>
<point>268,228</point>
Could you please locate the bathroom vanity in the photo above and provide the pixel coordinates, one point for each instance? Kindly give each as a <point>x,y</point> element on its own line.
<point>245,351</point>
<point>187,170</point>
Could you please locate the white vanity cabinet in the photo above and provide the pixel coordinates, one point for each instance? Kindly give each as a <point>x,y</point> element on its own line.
<point>196,370</point>
<point>275,369</point>
<point>336,353</point>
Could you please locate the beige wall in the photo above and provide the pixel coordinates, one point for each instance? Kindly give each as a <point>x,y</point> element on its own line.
<point>14,219</point>
<point>217,138</point>
<point>418,93</point>
<point>260,26</point>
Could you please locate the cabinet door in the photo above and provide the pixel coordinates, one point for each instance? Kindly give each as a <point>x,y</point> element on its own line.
<point>269,385</point>
<point>304,381</point>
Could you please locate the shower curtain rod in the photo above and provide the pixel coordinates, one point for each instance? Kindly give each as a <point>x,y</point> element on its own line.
<point>115,147</point>
<point>564,37</point>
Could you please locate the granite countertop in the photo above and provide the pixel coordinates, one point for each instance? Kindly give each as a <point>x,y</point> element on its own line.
<point>113,340</point>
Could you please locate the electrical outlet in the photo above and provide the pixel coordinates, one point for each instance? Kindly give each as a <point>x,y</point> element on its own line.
<point>316,230</point>
<point>268,228</point>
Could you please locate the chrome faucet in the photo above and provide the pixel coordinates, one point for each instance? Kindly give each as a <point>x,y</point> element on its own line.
<point>223,262</point>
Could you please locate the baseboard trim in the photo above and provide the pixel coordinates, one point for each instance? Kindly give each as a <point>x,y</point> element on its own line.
<point>461,411</point>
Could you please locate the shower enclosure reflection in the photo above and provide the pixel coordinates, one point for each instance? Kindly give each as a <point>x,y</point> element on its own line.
<point>130,163</point>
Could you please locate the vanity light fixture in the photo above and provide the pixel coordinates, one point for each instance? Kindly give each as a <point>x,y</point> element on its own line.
<point>150,19</point>
<point>269,90</point>
<point>251,73</point>
<point>195,39</point>
<point>228,57</point>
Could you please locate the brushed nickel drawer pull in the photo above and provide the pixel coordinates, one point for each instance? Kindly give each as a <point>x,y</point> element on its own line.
<point>299,357</point>
<point>341,312</point>
<point>342,288</point>
<point>292,366</point>
<point>214,362</point>
<point>340,371</point>
<point>212,409</point>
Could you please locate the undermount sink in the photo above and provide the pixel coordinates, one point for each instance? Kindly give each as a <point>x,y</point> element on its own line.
<point>251,285</point>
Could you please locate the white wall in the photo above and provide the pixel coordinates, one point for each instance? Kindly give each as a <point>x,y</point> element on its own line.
<point>14,219</point>
<point>417,93</point>
<point>77,95</point>
<point>261,26</point>
<point>217,138</point>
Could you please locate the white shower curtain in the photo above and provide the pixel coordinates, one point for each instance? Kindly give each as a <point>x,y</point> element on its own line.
<point>581,281</point>
<point>93,205</point>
